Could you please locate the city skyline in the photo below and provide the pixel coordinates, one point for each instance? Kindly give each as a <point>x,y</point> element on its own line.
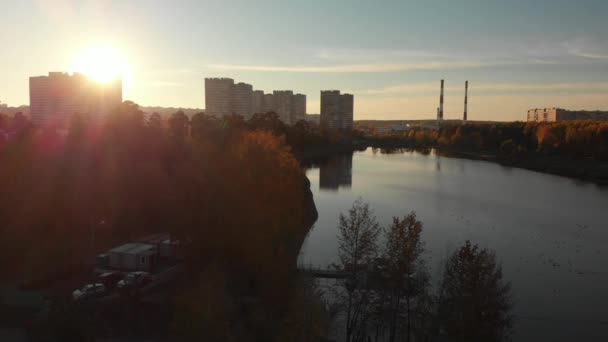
<point>516,56</point>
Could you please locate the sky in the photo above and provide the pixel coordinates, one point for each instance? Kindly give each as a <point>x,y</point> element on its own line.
<point>391,55</point>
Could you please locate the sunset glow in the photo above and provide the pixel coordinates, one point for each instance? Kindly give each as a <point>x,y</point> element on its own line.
<point>102,64</point>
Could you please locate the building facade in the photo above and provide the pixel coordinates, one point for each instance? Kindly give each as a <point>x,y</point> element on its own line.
<point>258,101</point>
<point>559,114</point>
<point>224,97</point>
<point>283,104</point>
<point>242,100</point>
<point>56,97</point>
<point>336,110</point>
<point>218,96</point>
<point>298,110</point>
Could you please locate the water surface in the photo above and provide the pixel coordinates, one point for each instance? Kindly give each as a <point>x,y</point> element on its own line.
<point>549,232</point>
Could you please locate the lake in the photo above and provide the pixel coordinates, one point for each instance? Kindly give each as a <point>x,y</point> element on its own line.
<point>550,233</point>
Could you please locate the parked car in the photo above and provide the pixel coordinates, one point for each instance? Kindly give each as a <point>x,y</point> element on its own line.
<point>133,280</point>
<point>89,291</point>
<point>110,279</point>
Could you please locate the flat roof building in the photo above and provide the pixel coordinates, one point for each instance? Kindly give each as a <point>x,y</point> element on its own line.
<point>56,97</point>
<point>283,106</point>
<point>298,111</point>
<point>242,100</point>
<point>258,101</point>
<point>336,110</point>
<point>218,96</point>
<point>559,114</point>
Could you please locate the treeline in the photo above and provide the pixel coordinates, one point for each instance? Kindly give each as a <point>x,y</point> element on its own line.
<point>581,139</point>
<point>576,139</point>
<point>230,190</point>
<point>387,293</point>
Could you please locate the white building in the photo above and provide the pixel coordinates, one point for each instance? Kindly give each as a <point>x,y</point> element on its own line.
<point>56,97</point>
<point>134,256</point>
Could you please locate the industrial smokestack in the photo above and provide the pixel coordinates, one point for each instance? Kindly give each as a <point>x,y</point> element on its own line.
<point>466,96</point>
<point>440,109</point>
<point>441,102</point>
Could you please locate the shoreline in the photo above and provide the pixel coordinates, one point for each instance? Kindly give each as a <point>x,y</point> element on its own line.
<point>584,169</point>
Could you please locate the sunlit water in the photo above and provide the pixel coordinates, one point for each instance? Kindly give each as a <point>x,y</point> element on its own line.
<point>550,233</point>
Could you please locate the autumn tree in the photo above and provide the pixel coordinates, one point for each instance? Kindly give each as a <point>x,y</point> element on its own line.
<point>474,300</point>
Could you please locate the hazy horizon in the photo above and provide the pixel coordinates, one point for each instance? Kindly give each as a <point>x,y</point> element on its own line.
<point>391,56</point>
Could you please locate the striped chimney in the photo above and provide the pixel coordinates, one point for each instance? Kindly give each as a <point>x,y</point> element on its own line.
<point>466,96</point>
<point>441,102</point>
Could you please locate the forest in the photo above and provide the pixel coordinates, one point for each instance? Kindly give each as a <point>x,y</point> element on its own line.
<point>232,191</point>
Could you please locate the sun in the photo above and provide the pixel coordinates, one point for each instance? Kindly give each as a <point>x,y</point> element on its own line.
<point>101,64</point>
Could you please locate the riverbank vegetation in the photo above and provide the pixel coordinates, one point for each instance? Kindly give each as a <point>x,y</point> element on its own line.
<point>387,293</point>
<point>570,148</point>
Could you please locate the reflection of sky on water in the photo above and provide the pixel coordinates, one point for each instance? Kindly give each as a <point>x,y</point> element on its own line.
<point>547,231</point>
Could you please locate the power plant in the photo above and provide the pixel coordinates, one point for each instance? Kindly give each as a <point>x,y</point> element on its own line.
<point>466,93</point>
<point>440,108</point>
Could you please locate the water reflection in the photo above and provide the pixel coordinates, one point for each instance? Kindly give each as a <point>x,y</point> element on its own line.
<point>336,172</point>
<point>548,231</point>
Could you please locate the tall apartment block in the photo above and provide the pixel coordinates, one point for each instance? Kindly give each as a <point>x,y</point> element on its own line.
<point>336,110</point>
<point>242,100</point>
<point>298,109</point>
<point>218,96</point>
<point>224,97</point>
<point>283,105</point>
<point>268,103</point>
<point>54,98</point>
<point>258,101</point>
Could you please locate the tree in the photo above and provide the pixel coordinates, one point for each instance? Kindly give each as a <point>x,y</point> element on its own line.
<point>155,121</point>
<point>178,126</point>
<point>267,121</point>
<point>357,249</point>
<point>406,277</point>
<point>474,302</point>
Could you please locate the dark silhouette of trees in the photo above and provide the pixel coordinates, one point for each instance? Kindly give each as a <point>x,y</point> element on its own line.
<point>358,248</point>
<point>267,121</point>
<point>155,122</point>
<point>474,301</point>
<point>179,125</point>
<point>389,298</point>
<point>405,279</point>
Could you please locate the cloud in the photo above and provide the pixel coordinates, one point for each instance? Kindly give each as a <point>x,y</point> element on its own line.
<point>349,68</point>
<point>584,47</point>
<point>424,88</point>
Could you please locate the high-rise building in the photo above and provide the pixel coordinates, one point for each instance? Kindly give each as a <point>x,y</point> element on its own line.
<point>218,96</point>
<point>298,110</point>
<point>223,97</point>
<point>258,101</point>
<point>347,108</point>
<point>242,100</point>
<point>54,98</point>
<point>283,105</point>
<point>268,103</point>
<point>336,110</point>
